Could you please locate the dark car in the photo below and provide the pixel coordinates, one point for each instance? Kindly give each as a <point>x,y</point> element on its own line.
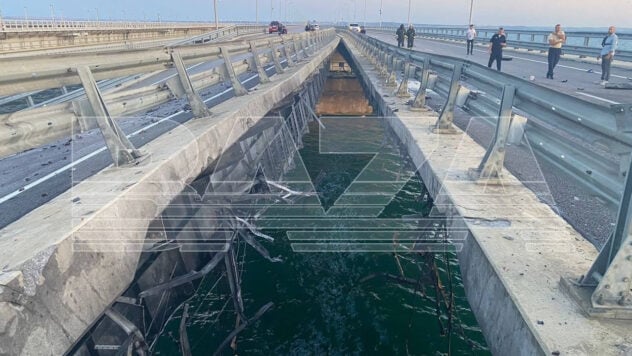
<point>274,27</point>
<point>282,29</point>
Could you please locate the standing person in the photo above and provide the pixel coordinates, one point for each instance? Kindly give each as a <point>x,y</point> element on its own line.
<point>496,44</point>
<point>471,35</point>
<point>556,40</point>
<point>609,44</point>
<point>401,32</point>
<point>411,36</point>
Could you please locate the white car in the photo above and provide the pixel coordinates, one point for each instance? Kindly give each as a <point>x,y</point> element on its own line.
<point>354,27</point>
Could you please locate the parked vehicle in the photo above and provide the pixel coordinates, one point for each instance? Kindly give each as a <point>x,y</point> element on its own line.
<point>354,27</point>
<point>313,26</point>
<point>274,27</point>
<point>282,29</point>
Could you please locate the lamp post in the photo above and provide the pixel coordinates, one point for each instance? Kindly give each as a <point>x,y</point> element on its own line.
<point>471,7</point>
<point>381,2</point>
<point>364,13</point>
<point>52,12</point>
<point>409,8</point>
<point>257,12</point>
<point>26,14</point>
<point>215,10</point>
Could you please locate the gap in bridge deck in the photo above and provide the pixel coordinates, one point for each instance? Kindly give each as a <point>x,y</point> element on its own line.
<point>345,207</point>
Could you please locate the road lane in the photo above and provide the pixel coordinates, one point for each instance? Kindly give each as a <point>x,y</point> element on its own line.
<point>575,78</point>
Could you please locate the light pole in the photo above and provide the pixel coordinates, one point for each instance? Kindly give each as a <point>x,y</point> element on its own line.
<point>97,10</point>
<point>364,13</point>
<point>381,3</point>
<point>215,10</point>
<point>26,14</point>
<point>471,7</point>
<point>409,8</point>
<point>52,12</point>
<point>257,12</point>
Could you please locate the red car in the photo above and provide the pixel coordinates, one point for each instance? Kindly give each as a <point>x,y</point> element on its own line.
<point>274,27</point>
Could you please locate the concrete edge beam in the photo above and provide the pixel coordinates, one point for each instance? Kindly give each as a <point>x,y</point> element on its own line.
<point>511,272</point>
<point>54,282</point>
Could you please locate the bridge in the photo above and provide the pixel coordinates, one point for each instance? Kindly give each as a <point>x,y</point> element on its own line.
<point>104,172</point>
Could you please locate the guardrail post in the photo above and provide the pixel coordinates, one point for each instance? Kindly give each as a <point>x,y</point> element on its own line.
<point>312,42</point>
<point>491,168</point>
<point>623,116</point>
<point>383,64</point>
<point>306,46</point>
<point>275,58</point>
<point>402,92</point>
<point>121,149</point>
<point>198,107</point>
<point>286,53</point>
<point>230,71</point>
<point>444,123</point>
<point>419,104</point>
<point>611,272</point>
<point>298,48</point>
<point>261,71</point>
<point>391,80</point>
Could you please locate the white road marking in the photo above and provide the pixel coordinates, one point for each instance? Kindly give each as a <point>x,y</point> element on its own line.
<point>173,75</point>
<point>102,149</point>
<point>596,97</point>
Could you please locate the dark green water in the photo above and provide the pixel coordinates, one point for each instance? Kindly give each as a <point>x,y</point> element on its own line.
<point>323,302</point>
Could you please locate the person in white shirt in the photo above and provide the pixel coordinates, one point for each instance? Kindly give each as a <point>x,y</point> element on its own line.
<point>556,40</point>
<point>471,35</point>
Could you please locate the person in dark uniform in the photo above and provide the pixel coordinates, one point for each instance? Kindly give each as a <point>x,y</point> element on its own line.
<point>496,44</point>
<point>411,36</point>
<point>401,32</point>
<point>362,30</point>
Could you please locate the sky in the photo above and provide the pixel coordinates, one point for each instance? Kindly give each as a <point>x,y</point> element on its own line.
<point>570,13</point>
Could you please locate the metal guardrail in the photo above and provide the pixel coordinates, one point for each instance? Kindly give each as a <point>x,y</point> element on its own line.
<point>15,25</point>
<point>592,144</point>
<point>213,36</point>
<point>578,43</point>
<point>32,128</point>
<point>233,30</point>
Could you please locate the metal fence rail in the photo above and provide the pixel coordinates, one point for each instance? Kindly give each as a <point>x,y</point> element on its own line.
<point>589,142</point>
<point>31,128</point>
<point>582,44</point>
<point>16,25</point>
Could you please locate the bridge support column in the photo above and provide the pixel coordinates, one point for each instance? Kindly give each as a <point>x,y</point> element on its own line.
<point>402,92</point>
<point>287,55</point>
<point>198,107</point>
<point>419,104</point>
<point>275,58</point>
<point>261,71</point>
<point>121,149</point>
<point>491,168</point>
<point>444,123</point>
<point>230,73</point>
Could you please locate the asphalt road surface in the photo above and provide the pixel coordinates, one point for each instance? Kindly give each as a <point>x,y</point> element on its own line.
<point>572,77</point>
